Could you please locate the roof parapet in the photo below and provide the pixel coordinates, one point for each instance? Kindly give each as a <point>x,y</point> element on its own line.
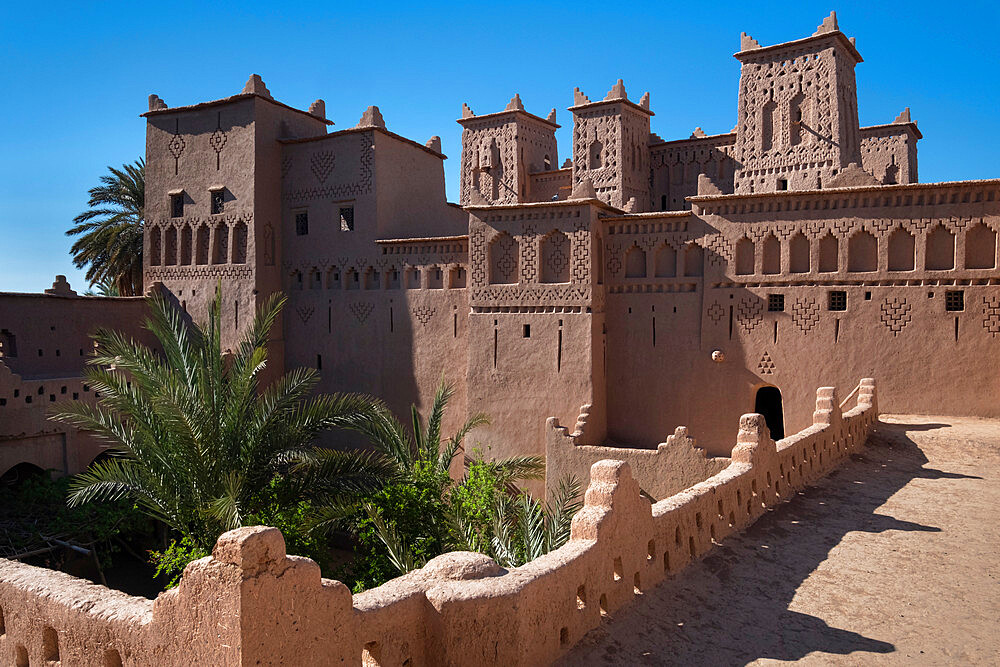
<point>156,103</point>
<point>255,85</point>
<point>372,117</point>
<point>318,109</point>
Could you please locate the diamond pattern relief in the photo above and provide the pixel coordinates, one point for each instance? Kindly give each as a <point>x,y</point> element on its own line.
<point>716,312</point>
<point>361,310</point>
<point>991,314</point>
<point>805,314</point>
<point>896,314</point>
<point>321,165</point>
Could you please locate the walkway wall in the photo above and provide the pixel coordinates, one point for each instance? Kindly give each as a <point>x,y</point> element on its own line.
<point>250,603</point>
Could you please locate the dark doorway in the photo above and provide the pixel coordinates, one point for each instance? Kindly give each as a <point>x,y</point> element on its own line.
<point>768,403</point>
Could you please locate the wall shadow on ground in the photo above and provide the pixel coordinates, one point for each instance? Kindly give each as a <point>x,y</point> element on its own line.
<point>732,607</point>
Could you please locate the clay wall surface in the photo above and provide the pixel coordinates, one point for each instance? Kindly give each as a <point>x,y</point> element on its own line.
<point>677,164</point>
<point>673,466</point>
<point>535,324</point>
<point>46,341</point>
<point>887,249</point>
<point>889,152</point>
<point>250,603</point>
<point>549,185</point>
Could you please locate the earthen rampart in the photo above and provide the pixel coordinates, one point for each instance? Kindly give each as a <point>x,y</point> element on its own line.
<point>250,603</point>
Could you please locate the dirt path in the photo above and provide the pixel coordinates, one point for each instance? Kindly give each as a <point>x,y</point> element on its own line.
<point>891,559</point>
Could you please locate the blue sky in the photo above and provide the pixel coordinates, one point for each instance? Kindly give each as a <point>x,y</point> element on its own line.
<point>74,79</point>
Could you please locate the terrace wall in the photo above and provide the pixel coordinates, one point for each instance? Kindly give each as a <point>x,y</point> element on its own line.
<point>250,603</point>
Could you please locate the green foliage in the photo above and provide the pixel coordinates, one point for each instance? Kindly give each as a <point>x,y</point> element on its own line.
<point>110,231</point>
<point>171,561</point>
<point>36,509</point>
<point>197,442</point>
<point>400,527</point>
<point>424,513</point>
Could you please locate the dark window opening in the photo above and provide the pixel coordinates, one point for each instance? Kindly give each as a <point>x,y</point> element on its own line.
<point>302,223</point>
<point>177,206</point>
<point>782,183</point>
<point>218,201</point>
<point>347,219</point>
<point>768,403</point>
<point>954,301</point>
<point>868,296</point>
<point>837,300</point>
<point>776,303</point>
<point>319,362</point>
<point>527,331</point>
<point>663,202</point>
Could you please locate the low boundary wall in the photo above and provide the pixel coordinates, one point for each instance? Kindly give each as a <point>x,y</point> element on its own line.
<point>250,603</point>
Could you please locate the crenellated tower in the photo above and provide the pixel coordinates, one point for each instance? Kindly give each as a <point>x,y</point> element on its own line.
<point>611,147</point>
<point>213,193</point>
<point>798,111</point>
<point>499,152</point>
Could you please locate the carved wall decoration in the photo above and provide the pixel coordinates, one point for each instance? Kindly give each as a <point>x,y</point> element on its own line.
<point>286,165</point>
<point>765,366</point>
<point>217,141</point>
<point>423,313</point>
<point>716,312</point>
<point>896,314</point>
<point>361,186</point>
<point>991,315</point>
<point>305,312</point>
<point>361,310</point>
<point>805,313</point>
<point>321,164</point>
<point>528,246</point>
<point>749,313</point>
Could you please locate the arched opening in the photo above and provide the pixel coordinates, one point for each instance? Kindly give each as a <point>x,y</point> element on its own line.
<point>768,403</point>
<point>666,262</point>
<point>555,258</point>
<point>771,255</point>
<point>694,259</point>
<point>940,249</point>
<point>596,149</point>
<point>980,247</point>
<point>744,257</point>
<point>635,263</point>
<point>862,252</point>
<point>154,246</point>
<point>901,250</point>
<point>503,253</point>
<point>767,118</point>
<point>170,246</point>
<point>798,254</point>
<point>19,474</point>
<point>828,249</point>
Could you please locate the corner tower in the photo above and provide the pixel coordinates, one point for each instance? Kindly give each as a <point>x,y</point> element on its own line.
<point>611,147</point>
<point>500,150</point>
<point>798,111</point>
<point>213,193</point>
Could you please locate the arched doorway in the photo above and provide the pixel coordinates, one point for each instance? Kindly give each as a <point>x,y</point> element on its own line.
<point>19,474</point>
<point>768,403</point>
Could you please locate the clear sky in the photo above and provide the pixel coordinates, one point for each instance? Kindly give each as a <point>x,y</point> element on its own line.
<point>74,79</point>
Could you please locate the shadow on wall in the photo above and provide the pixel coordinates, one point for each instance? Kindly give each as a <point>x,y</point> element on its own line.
<point>733,607</point>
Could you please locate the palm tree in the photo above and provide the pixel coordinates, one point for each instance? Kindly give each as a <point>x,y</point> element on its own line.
<point>423,457</point>
<point>196,444</point>
<point>110,243</point>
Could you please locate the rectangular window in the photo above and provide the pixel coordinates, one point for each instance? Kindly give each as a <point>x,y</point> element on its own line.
<point>302,223</point>
<point>347,219</point>
<point>782,183</point>
<point>776,303</point>
<point>954,301</point>
<point>218,201</point>
<point>177,206</point>
<point>837,300</point>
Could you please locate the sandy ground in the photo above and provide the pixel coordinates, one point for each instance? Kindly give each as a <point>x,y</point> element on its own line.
<point>891,559</point>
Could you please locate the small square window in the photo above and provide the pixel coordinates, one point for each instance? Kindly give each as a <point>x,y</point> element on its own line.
<point>954,301</point>
<point>837,300</point>
<point>302,223</point>
<point>775,303</point>
<point>347,219</point>
<point>782,183</point>
<point>218,201</point>
<point>177,205</point>
<point>868,296</point>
